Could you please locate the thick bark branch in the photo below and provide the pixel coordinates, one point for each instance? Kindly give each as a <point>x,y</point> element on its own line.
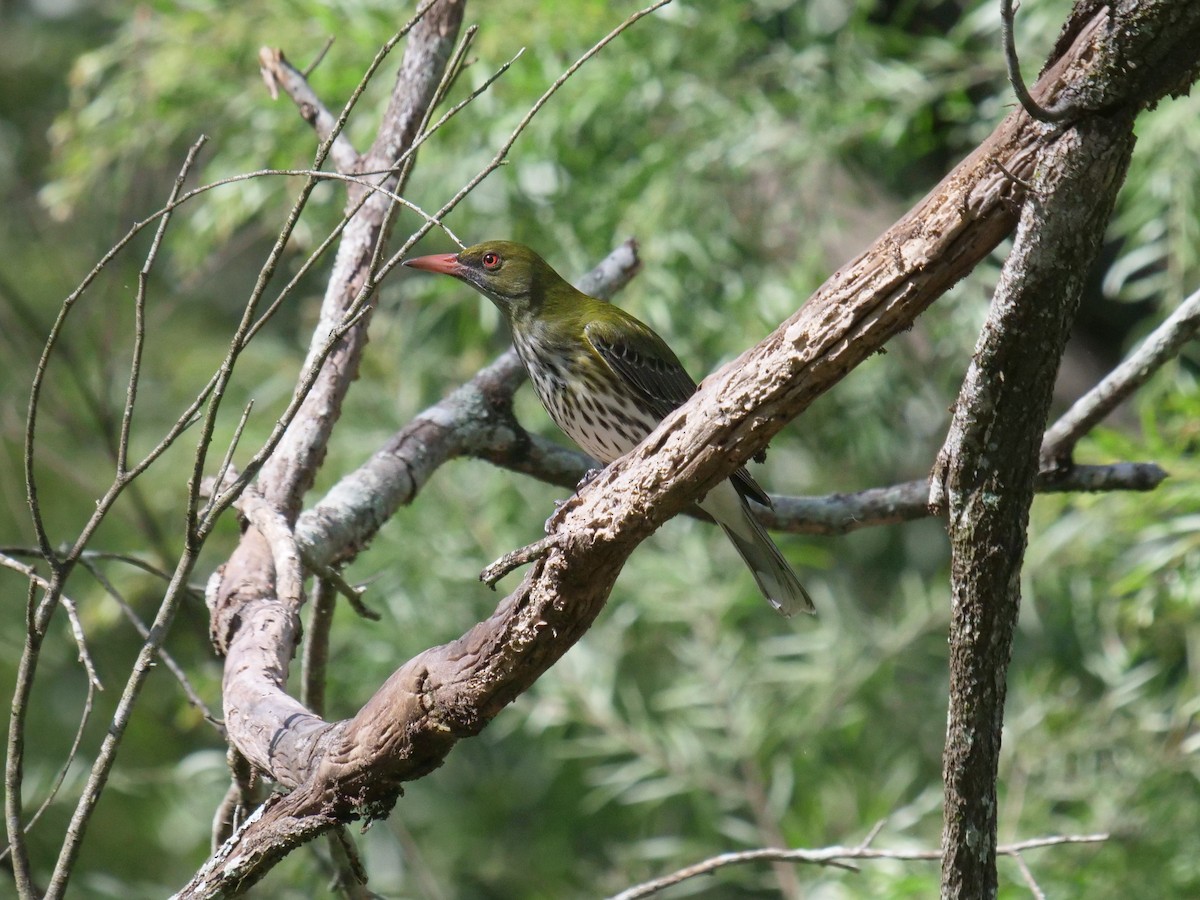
<point>256,628</point>
<point>990,463</point>
<point>289,473</point>
<point>355,767</point>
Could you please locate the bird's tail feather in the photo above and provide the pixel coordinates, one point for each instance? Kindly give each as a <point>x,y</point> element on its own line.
<point>771,571</point>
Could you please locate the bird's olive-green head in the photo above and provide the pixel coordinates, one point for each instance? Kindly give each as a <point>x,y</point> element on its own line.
<point>514,277</point>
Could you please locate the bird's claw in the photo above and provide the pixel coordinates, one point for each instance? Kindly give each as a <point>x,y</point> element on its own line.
<point>588,477</point>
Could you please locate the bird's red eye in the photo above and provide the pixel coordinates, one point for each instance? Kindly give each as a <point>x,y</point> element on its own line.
<point>491,261</point>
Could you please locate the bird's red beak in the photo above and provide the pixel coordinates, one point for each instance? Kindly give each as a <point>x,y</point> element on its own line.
<point>445,263</point>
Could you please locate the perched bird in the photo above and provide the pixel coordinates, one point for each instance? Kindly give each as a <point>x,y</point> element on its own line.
<point>607,380</point>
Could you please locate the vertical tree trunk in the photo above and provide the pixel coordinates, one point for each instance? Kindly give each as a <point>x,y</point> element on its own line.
<point>986,471</point>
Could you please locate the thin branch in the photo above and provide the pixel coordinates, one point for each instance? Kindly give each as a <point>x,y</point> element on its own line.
<point>278,74</point>
<point>93,684</point>
<point>39,377</point>
<point>522,556</point>
<point>353,595</point>
<point>226,473</point>
<point>139,313</point>
<point>372,188</point>
<point>830,514</point>
<point>104,760</point>
<point>1163,344</point>
<point>1027,875</point>
<point>192,695</point>
<point>1031,106</point>
<point>842,513</point>
<point>95,555</point>
<point>289,472</point>
<point>1053,841</point>
<point>247,327</point>
<point>106,756</point>
<point>28,571</point>
<point>242,795</point>
<point>831,856</point>
<point>350,875</point>
<point>230,492</point>
<point>402,166</point>
<point>317,60</point>
<point>85,658</point>
<point>502,152</point>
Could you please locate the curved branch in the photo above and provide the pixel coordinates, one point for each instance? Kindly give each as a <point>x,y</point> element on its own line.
<point>355,768</point>
<point>1163,344</point>
<point>1031,106</point>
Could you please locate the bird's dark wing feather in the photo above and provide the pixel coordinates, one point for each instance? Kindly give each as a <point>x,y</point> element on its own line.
<point>640,357</point>
<point>643,361</point>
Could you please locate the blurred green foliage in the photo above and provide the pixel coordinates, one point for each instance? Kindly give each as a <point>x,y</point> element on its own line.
<point>751,147</point>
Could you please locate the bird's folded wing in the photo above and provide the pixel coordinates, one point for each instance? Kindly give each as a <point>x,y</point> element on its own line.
<point>644,362</point>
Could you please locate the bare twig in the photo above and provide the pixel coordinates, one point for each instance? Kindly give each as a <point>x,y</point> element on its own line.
<point>193,696</point>
<point>336,582</point>
<point>502,152</point>
<point>830,514</point>
<point>522,556</point>
<point>1163,344</point>
<point>242,796</point>
<point>1026,874</point>
<point>85,658</point>
<point>834,856</point>
<point>401,167</point>
<point>226,473</point>
<point>38,619</point>
<point>317,60</point>
<point>843,513</point>
<point>233,489</point>
<point>350,875</point>
<point>278,74</point>
<point>17,566</point>
<point>196,533</point>
<point>39,378</point>
<point>139,313</point>
<point>35,581</point>
<point>1031,106</point>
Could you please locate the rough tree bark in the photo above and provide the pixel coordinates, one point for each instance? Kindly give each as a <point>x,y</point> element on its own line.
<point>255,624</point>
<point>985,474</point>
<point>990,462</point>
<point>1111,61</point>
